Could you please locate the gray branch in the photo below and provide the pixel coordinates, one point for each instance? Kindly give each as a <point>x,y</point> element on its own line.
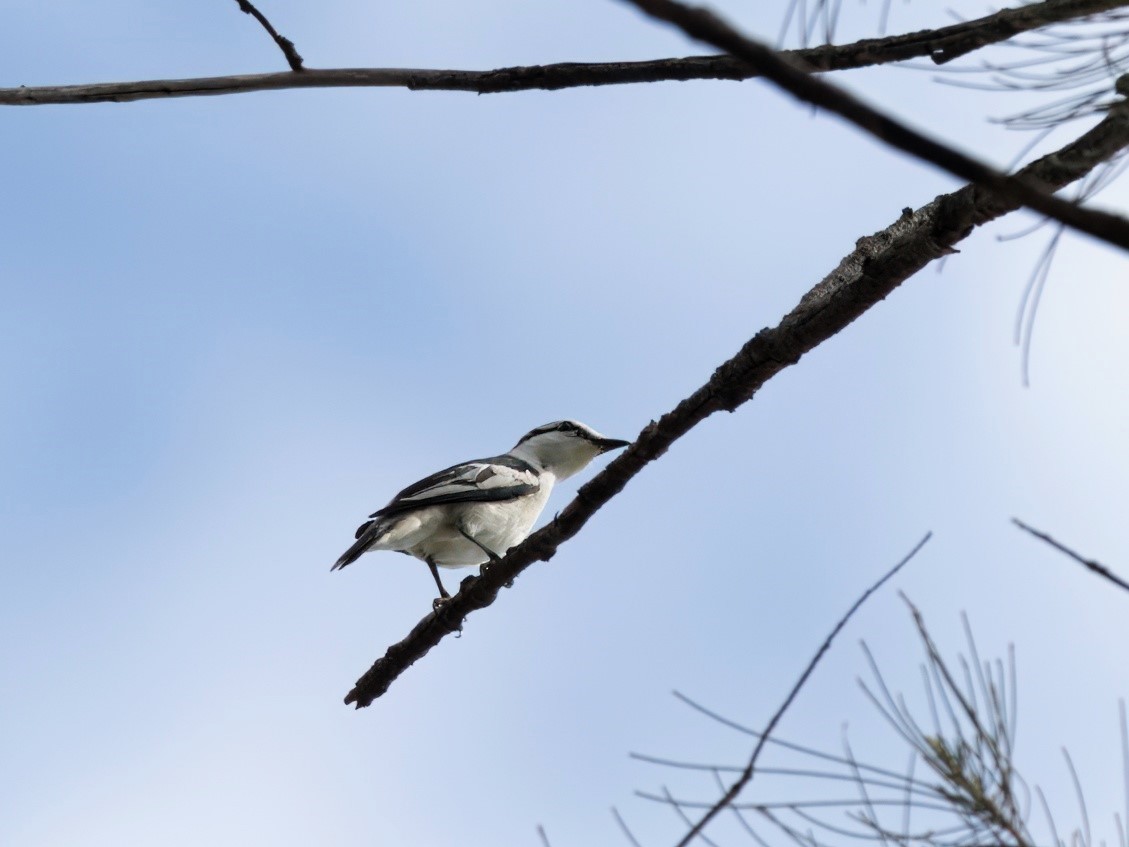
<point>1090,564</point>
<point>941,45</point>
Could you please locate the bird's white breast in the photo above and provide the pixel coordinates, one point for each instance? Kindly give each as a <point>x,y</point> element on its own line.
<point>496,525</point>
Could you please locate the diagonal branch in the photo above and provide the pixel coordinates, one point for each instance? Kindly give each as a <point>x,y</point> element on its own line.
<point>797,80</point>
<point>747,774</point>
<point>1090,564</point>
<point>942,45</point>
<point>284,44</point>
<point>878,265</point>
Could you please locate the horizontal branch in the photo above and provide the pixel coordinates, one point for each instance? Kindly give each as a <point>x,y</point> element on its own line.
<point>702,24</point>
<point>878,264</point>
<point>942,45</point>
<point>962,39</point>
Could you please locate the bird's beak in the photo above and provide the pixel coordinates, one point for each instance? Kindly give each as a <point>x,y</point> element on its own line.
<point>606,444</point>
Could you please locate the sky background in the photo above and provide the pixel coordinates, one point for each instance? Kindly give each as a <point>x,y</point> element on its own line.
<point>231,327</point>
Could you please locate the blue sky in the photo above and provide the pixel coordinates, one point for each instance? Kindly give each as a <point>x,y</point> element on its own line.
<point>234,326</point>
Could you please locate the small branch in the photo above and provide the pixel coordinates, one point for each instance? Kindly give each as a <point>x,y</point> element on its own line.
<point>878,265</point>
<point>797,80</point>
<point>1097,567</point>
<point>284,44</point>
<point>942,45</point>
<point>1007,23</point>
<point>627,833</point>
<point>738,786</point>
<point>668,798</point>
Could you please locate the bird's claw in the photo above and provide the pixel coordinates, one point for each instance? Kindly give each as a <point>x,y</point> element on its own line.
<point>439,607</point>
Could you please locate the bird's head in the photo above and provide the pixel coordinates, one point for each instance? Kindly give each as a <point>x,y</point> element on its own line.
<point>563,447</point>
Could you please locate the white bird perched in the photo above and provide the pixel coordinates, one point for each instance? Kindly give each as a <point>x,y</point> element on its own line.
<point>473,512</point>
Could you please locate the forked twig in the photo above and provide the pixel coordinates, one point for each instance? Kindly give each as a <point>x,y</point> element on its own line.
<point>747,773</point>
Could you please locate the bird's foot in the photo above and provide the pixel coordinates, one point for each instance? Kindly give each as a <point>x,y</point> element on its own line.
<point>486,567</point>
<point>439,607</point>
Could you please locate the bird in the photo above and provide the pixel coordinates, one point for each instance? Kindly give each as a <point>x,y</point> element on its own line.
<point>473,512</point>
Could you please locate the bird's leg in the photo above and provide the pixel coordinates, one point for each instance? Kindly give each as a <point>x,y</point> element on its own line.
<point>494,557</point>
<point>443,595</point>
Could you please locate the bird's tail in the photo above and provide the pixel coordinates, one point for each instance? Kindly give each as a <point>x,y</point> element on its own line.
<point>351,555</point>
<point>367,535</point>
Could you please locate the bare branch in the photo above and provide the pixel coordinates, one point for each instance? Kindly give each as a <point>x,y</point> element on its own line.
<point>624,828</point>
<point>942,45</point>
<point>1080,60</point>
<point>668,798</point>
<point>747,773</point>
<point>1011,22</point>
<point>795,79</point>
<point>878,265</point>
<point>284,44</point>
<point>500,80</point>
<point>1097,567</point>
<point>786,745</point>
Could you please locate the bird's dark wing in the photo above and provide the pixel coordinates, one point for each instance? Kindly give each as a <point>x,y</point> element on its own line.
<point>497,478</point>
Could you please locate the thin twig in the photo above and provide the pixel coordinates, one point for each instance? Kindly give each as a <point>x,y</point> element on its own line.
<point>942,45</point>
<point>627,833</point>
<point>830,776</point>
<point>787,805</point>
<point>1081,795</point>
<point>1050,818</point>
<point>669,799</point>
<point>870,812</point>
<point>786,745</point>
<point>1097,567</point>
<point>1018,20</point>
<point>798,81</point>
<point>871,272</point>
<point>284,44</point>
<point>752,833</point>
<point>747,774</point>
<point>1029,303</point>
<point>1123,831</point>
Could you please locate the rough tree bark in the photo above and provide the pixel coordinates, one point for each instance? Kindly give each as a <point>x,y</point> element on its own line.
<point>941,45</point>
<point>878,265</point>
